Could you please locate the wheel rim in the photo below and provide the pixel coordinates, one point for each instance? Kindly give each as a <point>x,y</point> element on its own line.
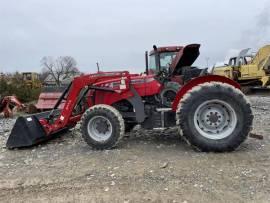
<point>215,119</point>
<point>99,128</point>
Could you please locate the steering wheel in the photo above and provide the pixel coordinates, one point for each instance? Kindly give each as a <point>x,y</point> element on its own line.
<point>162,75</point>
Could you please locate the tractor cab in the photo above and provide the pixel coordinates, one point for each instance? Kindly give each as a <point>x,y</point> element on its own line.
<point>161,59</point>
<point>172,58</point>
<point>173,63</point>
<point>172,67</point>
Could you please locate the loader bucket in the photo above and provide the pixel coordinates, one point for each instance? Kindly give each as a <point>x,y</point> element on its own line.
<point>26,132</point>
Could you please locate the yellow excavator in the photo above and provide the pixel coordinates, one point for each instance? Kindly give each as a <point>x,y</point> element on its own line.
<point>251,72</point>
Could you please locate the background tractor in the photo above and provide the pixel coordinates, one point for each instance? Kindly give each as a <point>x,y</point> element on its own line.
<point>251,72</point>
<point>31,79</point>
<point>210,111</point>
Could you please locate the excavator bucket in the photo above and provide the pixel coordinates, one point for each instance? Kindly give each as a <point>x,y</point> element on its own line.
<point>26,132</point>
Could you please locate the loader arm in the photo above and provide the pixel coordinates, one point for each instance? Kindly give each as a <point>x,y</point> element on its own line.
<point>71,95</point>
<point>34,129</point>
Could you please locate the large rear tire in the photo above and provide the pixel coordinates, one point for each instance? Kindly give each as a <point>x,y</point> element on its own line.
<point>102,127</point>
<point>214,117</point>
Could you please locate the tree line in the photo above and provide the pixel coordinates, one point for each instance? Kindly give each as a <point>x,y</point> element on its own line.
<point>59,69</point>
<point>14,85</point>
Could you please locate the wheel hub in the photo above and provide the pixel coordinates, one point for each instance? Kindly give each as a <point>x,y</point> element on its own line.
<point>215,119</point>
<point>102,126</point>
<point>99,128</point>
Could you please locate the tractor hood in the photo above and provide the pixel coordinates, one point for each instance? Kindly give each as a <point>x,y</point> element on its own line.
<point>185,57</point>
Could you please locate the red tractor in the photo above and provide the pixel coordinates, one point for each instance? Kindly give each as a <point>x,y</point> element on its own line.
<point>211,112</point>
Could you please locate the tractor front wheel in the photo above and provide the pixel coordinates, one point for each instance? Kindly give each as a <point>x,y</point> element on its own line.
<point>214,117</point>
<point>102,127</point>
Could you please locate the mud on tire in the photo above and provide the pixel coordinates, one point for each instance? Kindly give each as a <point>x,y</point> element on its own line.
<point>102,127</point>
<point>214,117</point>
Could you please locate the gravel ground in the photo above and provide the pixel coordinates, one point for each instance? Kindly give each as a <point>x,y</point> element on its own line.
<point>148,166</point>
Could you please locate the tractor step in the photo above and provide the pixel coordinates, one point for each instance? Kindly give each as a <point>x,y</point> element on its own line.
<point>159,119</point>
<point>163,109</point>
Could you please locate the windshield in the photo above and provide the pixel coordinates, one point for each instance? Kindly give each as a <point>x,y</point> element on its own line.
<point>165,61</point>
<point>242,61</point>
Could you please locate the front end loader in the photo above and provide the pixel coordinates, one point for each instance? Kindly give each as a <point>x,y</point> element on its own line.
<point>210,111</point>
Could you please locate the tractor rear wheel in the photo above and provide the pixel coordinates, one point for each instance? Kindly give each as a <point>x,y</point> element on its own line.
<point>214,117</point>
<point>102,127</point>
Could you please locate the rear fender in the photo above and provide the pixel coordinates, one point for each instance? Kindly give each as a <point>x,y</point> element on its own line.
<point>200,80</point>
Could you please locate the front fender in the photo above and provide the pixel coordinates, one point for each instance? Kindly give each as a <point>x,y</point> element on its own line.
<point>198,81</point>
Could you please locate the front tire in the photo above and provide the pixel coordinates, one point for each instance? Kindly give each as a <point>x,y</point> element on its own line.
<point>214,117</point>
<point>102,127</point>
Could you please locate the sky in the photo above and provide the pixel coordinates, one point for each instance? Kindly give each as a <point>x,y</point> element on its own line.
<point>117,33</point>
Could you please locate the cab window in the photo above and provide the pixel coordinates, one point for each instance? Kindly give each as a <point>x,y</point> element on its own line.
<point>152,63</point>
<point>166,59</point>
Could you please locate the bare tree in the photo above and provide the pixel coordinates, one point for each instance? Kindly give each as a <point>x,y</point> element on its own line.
<point>60,68</point>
